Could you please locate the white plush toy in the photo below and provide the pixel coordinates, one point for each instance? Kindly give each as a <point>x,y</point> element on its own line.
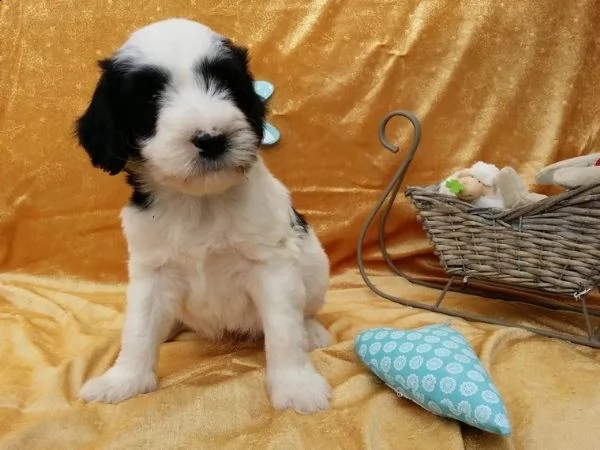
<point>573,172</point>
<point>476,185</point>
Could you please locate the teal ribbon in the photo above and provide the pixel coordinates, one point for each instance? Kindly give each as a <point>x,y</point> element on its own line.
<point>265,90</point>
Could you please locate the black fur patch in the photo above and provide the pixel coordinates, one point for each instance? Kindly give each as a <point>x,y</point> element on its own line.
<point>139,197</point>
<point>299,221</point>
<point>123,109</point>
<point>230,73</point>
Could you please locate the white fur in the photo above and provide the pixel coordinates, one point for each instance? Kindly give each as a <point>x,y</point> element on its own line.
<point>216,250</point>
<point>484,172</point>
<point>189,106</point>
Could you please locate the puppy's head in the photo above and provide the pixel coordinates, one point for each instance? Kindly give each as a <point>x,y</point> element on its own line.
<point>176,106</point>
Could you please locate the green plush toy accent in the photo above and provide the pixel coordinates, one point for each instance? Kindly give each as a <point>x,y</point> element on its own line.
<point>455,186</point>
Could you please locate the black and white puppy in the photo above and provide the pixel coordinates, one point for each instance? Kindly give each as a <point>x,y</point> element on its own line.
<point>213,239</point>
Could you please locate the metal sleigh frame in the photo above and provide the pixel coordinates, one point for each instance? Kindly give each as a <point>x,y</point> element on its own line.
<point>454,284</point>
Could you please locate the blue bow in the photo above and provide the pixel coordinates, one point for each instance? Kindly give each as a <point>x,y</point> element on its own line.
<point>264,89</point>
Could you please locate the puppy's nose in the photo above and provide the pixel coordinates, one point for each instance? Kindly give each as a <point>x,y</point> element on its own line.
<point>210,146</point>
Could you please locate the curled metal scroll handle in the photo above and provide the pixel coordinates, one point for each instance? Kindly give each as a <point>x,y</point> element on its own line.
<point>415,123</point>
<point>389,194</point>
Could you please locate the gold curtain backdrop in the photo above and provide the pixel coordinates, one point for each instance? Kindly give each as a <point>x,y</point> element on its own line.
<point>512,83</point>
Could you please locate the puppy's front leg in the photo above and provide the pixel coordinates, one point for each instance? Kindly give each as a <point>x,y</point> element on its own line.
<point>291,377</point>
<point>152,299</point>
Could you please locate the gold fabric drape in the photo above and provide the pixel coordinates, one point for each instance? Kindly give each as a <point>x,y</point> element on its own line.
<point>513,83</point>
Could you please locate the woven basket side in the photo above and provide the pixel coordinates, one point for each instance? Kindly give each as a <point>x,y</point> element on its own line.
<point>553,247</point>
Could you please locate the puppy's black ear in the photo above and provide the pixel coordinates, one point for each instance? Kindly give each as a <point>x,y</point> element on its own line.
<point>97,129</point>
<point>240,54</point>
<point>244,94</point>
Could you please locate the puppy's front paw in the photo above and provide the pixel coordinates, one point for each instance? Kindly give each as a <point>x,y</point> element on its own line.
<point>299,388</point>
<point>117,384</point>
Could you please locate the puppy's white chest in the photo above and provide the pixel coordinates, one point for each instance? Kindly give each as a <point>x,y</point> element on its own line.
<point>213,247</point>
<point>218,298</point>
<point>215,274</point>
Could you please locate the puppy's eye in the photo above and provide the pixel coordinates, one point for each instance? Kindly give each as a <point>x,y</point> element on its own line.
<point>144,85</point>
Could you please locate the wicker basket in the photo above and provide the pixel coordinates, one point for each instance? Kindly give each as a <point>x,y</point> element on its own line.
<point>551,246</point>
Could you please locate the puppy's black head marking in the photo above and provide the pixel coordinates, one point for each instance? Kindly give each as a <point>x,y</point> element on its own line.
<point>123,109</point>
<point>229,72</point>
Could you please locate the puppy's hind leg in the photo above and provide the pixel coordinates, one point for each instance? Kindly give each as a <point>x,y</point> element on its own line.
<point>317,335</point>
<point>315,268</point>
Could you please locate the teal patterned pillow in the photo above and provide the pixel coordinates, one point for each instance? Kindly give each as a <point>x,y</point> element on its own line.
<point>436,368</point>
